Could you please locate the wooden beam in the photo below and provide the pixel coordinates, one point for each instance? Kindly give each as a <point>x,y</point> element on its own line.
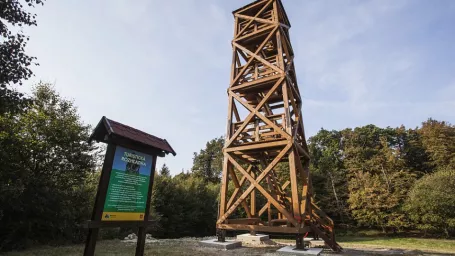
<point>258,58</point>
<point>255,184</point>
<point>284,230</point>
<point>248,221</point>
<point>260,20</point>
<point>252,186</point>
<point>237,185</point>
<point>257,15</point>
<point>251,58</point>
<point>252,111</point>
<point>224,184</point>
<point>237,189</point>
<point>258,146</point>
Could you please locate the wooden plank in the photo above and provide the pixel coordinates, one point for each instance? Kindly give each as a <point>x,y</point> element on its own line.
<point>234,62</point>
<point>142,230</point>
<point>235,193</point>
<point>248,221</point>
<point>258,58</point>
<point>237,185</point>
<point>229,119</point>
<point>252,186</point>
<point>236,112</point>
<point>284,230</point>
<point>250,6</point>
<point>264,208</point>
<point>294,186</point>
<point>100,198</point>
<point>224,184</point>
<point>258,146</point>
<point>261,116</point>
<point>256,185</point>
<point>257,15</point>
<point>259,49</point>
<point>252,111</point>
<point>253,198</point>
<point>302,151</point>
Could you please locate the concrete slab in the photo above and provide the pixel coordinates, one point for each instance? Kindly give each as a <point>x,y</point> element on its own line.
<point>292,250</point>
<point>229,244</point>
<point>249,239</point>
<point>317,243</point>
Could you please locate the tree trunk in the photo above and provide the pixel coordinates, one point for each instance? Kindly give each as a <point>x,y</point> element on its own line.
<point>386,179</point>
<point>336,195</point>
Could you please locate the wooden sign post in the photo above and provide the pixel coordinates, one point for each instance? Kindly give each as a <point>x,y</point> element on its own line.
<point>125,186</point>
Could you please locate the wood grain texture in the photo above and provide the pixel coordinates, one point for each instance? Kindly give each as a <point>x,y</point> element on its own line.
<point>268,134</point>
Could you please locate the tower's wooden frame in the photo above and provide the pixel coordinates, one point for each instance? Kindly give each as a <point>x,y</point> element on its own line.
<point>263,81</point>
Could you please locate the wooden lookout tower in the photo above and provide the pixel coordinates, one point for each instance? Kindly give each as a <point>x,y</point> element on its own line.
<point>266,172</point>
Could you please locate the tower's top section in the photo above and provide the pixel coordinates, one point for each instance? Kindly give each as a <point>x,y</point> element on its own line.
<point>264,10</point>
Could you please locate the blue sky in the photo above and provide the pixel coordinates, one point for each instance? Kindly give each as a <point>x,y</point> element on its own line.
<point>163,66</point>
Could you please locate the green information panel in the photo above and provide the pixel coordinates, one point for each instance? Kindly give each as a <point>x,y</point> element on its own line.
<point>128,186</point>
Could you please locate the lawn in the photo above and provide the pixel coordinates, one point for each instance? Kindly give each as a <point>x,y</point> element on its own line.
<point>354,245</point>
<point>422,244</point>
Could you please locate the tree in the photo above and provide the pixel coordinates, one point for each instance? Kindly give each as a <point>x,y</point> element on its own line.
<point>373,204</point>
<point>164,171</point>
<point>378,176</point>
<point>438,139</point>
<point>14,63</point>
<point>209,162</point>
<point>329,174</point>
<point>431,202</point>
<point>414,153</point>
<point>45,172</point>
<point>185,205</point>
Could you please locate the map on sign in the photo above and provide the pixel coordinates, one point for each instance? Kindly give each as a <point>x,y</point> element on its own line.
<point>128,186</point>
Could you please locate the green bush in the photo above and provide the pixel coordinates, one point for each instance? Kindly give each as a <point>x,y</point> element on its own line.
<point>431,202</point>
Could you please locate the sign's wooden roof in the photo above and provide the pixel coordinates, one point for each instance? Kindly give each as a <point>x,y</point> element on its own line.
<point>110,127</point>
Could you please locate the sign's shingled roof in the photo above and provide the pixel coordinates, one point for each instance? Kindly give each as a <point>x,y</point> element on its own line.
<point>114,127</point>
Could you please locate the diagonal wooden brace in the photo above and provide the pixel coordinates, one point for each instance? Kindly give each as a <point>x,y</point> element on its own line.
<point>264,192</point>
<point>253,111</point>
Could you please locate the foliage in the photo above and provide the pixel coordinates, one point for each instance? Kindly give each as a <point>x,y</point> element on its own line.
<point>361,176</point>
<point>185,205</point>
<point>378,176</point>
<point>45,173</point>
<point>431,202</point>
<point>209,162</point>
<point>329,174</point>
<point>14,62</point>
<point>438,139</point>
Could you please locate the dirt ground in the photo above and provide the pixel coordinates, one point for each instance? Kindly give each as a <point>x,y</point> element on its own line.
<point>191,246</point>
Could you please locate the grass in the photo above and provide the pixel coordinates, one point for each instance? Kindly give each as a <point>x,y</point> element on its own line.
<point>116,248</point>
<point>422,244</point>
<point>190,247</point>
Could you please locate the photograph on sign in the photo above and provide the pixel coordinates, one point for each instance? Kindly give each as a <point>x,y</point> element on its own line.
<point>128,186</point>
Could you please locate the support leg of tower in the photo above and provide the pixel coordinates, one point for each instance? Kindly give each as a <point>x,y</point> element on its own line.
<point>299,244</point>
<point>221,234</point>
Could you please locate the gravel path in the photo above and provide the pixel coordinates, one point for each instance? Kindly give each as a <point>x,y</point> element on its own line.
<point>193,248</point>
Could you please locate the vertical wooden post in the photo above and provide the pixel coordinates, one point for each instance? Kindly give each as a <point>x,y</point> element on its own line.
<point>142,230</point>
<point>253,198</point>
<point>97,212</point>
<point>224,184</point>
